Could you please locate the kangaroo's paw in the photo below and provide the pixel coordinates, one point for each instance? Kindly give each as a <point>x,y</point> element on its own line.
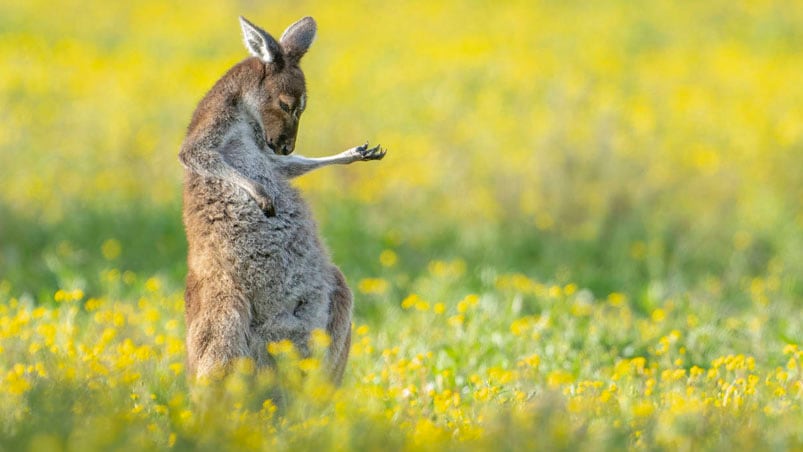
<point>264,201</point>
<point>374,153</point>
<point>266,204</point>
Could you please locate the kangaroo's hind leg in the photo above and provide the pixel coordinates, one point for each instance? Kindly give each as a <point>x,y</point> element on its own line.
<point>217,333</point>
<point>339,326</point>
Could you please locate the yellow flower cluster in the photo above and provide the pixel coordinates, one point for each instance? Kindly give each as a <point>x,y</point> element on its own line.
<point>427,379</point>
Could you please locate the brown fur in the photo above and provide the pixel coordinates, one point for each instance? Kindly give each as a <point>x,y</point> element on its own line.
<point>257,271</point>
<point>339,325</point>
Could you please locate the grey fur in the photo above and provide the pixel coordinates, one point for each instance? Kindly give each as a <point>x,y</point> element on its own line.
<point>298,38</point>
<point>257,270</point>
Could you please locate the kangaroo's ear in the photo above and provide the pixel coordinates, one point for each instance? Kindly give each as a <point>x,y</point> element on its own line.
<point>297,38</point>
<point>259,43</point>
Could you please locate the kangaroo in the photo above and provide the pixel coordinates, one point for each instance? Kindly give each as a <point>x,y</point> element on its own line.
<point>257,270</point>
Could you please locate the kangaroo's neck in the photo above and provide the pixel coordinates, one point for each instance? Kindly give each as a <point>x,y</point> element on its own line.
<point>222,106</point>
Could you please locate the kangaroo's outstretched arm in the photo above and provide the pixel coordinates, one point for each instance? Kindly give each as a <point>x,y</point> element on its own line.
<point>206,160</point>
<point>295,165</point>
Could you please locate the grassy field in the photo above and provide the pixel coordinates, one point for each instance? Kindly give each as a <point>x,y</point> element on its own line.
<point>587,233</point>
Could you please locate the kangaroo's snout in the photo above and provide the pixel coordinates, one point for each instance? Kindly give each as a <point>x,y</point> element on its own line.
<point>286,145</point>
<point>282,145</point>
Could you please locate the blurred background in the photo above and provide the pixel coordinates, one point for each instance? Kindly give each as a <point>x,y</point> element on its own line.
<point>649,148</point>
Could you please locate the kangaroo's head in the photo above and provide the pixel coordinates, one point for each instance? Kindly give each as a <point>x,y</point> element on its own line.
<point>277,100</point>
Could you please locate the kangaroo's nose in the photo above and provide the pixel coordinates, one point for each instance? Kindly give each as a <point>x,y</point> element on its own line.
<point>284,145</point>
<point>287,147</point>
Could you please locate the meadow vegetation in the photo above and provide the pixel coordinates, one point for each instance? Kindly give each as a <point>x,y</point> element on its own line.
<point>587,233</point>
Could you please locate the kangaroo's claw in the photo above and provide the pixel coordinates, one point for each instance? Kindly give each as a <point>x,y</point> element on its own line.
<point>268,208</point>
<point>264,201</point>
<point>374,153</point>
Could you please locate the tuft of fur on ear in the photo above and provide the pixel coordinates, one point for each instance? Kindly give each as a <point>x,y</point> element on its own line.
<point>297,38</point>
<point>259,43</point>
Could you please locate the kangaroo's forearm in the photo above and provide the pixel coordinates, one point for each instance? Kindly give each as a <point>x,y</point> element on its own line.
<point>295,165</point>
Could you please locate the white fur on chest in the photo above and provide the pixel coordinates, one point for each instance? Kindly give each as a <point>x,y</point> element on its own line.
<point>241,149</point>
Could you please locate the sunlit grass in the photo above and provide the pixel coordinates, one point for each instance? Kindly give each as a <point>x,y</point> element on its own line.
<point>524,363</point>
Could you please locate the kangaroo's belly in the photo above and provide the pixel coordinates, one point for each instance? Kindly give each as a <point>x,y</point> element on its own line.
<point>277,264</point>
